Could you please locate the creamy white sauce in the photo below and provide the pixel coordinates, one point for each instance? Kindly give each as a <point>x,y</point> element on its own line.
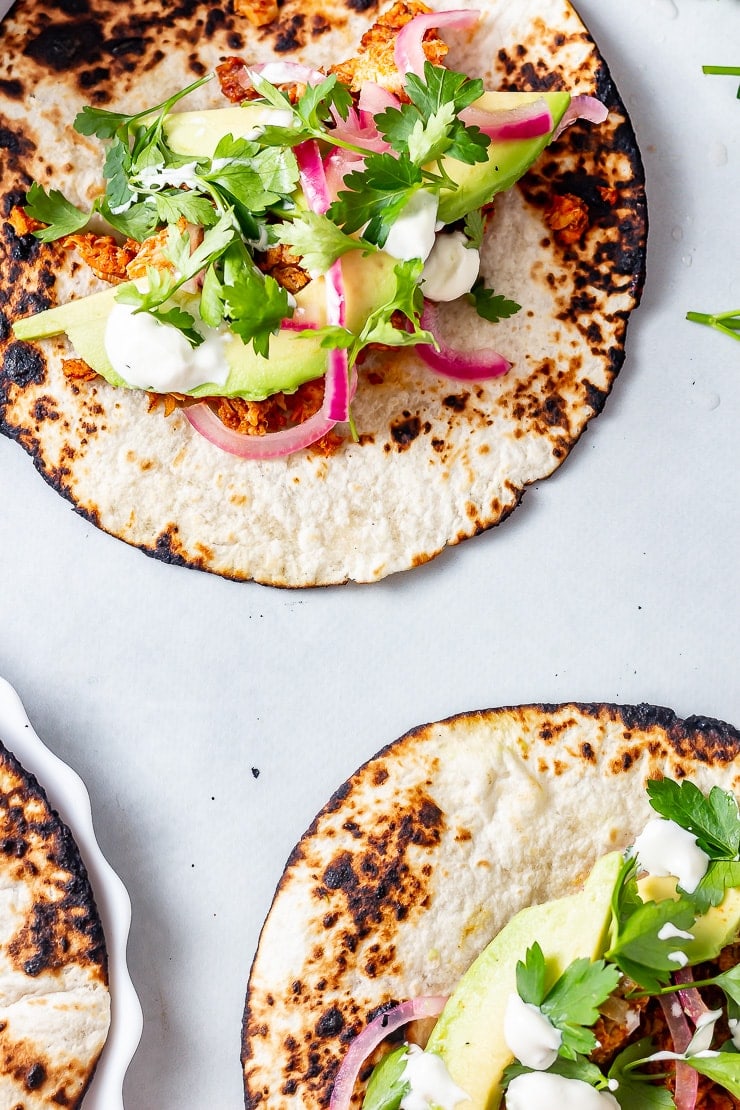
<point>678,957</point>
<point>412,235</point>
<point>174,177</point>
<point>530,1035</point>
<point>701,1041</point>
<point>540,1090</point>
<point>451,268</point>
<point>669,930</point>
<point>431,1083</point>
<point>154,356</point>
<point>664,848</point>
<point>734,1024</point>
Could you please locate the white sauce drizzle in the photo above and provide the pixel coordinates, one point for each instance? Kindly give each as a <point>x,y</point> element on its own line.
<point>669,930</point>
<point>154,356</point>
<point>530,1035</point>
<point>664,848</point>
<point>431,1083</point>
<point>734,1024</point>
<point>678,957</point>
<point>451,268</point>
<point>538,1090</point>
<point>412,235</point>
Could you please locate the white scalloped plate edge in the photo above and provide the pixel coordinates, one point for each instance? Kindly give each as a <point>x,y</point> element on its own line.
<point>69,797</point>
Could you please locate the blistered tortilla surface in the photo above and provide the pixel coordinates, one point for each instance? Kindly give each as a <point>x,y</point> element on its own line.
<point>437,461</point>
<point>426,853</point>
<point>54,998</point>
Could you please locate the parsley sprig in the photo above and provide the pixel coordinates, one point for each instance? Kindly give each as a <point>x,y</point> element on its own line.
<point>715,821</point>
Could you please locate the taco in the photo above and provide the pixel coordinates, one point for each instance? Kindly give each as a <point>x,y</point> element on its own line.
<point>440,442</point>
<point>54,1000</point>
<point>456,834</point>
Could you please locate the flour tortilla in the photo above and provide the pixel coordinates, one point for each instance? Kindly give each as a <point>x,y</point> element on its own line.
<point>54,1000</point>
<point>438,461</point>
<point>426,853</point>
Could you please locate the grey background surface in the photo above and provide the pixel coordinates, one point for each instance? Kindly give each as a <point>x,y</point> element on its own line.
<point>210,720</point>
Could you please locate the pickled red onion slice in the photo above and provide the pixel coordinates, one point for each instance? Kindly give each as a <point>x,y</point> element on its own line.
<point>528,121</point>
<point>687,1078</point>
<point>373,1035</point>
<point>273,445</point>
<point>409,53</point>
<point>286,73</point>
<point>465,366</point>
<point>582,107</point>
<point>375,98</point>
<point>339,386</point>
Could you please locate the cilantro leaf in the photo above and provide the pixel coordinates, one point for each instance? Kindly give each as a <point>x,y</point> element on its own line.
<point>724,1068</point>
<point>138,221</point>
<point>376,196</point>
<point>116,169</point>
<point>253,177</point>
<point>639,951</point>
<point>314,107</point>
<point>254,304</point>
<point>729,981</point>
<point>442,86</point>
<point>171,204</point>
<point>474,228</point>
<point>491,305</point>
<point>54,209</point>
<point>177,317</point>
<point>212,298</point>
<point>104,124</point>
<point>713,819</point>
<point>721,875</point>
<point>317,241</point>
<point>572,1005</point>
<point>530,976</point>
<point>636,1091</point>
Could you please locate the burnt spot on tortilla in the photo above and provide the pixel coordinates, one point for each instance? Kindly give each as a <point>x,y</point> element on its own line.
<point>22,364</point>
<point>405,431</point>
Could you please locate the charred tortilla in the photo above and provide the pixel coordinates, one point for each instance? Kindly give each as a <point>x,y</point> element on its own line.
<point>436,461</point>
<point>429,849</point>
<point>54,1001</point>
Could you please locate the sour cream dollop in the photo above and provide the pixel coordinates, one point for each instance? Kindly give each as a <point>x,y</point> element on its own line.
<point>430,1082</point>
<point>154,356</point>
<point>664,848</point>
<point>413,233</point>
<point>451,268</point>
<point>530,1034</point>
<point>538,1090</point>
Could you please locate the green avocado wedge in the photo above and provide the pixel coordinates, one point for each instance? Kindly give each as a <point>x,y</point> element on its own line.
<point>713,931</point>
<point>293,359</point>
<point>469,1034</point>
<point>197,134</point>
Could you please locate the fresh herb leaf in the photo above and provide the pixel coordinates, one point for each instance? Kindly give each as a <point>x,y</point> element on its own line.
<point>105,124</point>
<point>177,317</point>
<point>139,221</point>
<point>212,298</point>
<point>253,177</point>
<point>724,1068</point>
<point>55,210</point>
<point>636,1090</point>
<point>639,951</point>
<point>253,304</point>
<point>721,876</point>
<point>474,228</point>
<point>581,1068</point>
<point>376,196</point>
<point>317,241</point>
<point>173,204</point>
<point>714,819</point>
<point>573,1001</point>
<point>491,305</point>
<point>530,976</point>
<point>729,981</point>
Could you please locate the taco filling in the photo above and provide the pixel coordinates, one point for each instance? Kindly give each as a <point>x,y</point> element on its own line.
<point>623,995</point>
<point>256,251</point>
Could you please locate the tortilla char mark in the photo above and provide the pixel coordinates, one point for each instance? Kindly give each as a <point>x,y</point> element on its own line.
<point>358,895</point>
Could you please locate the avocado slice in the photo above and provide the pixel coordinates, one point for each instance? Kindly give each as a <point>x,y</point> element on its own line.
<point>369,282</point>
<point>713,931</point>
<point>469,1035</point>
<point>199,133</point>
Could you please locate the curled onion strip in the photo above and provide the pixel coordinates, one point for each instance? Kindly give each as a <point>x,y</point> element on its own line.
<point>373,1035</point>
<point>273,445</point>
<point>286,73</point>
<point>529,121</point>
<point>463,366</point>
<point>687,1078</point>
<point>691,1000</point>
<point>375,98</point>
<point>409,53</point>
<point>582,107</point>
<point>339,387</point>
